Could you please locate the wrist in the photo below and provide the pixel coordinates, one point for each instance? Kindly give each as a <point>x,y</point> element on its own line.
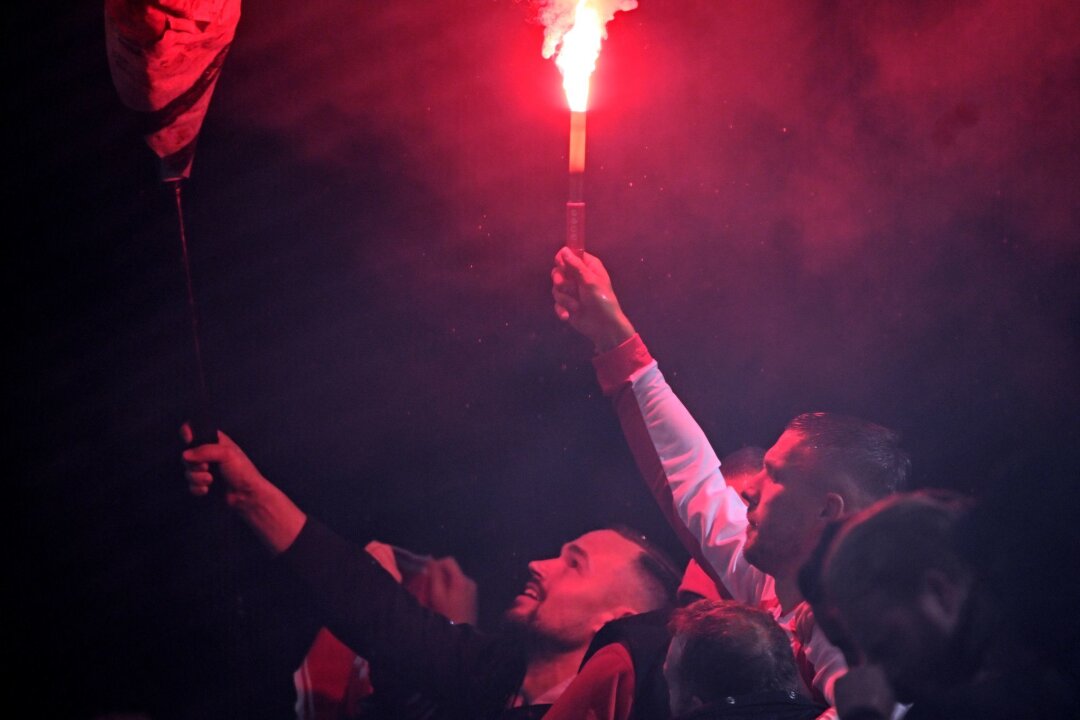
<point>613,334</point>
<point>272,515</point>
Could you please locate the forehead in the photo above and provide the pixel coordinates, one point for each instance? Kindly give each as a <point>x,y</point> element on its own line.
<point>790,450</point>
<point>606,545</point>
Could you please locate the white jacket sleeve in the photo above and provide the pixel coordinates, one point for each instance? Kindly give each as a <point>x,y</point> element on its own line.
<point>681,468</point>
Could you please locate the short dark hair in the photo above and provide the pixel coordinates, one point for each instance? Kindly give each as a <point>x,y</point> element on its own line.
<point>811,582</point>
<point>866,454</point>
<point>731,649</point>
<point>743,461</point>
<point>888,547</point>
<point>812,586</point>
<point>660,574</point>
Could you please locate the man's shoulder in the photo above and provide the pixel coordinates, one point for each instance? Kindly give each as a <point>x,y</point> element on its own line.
<point>760,706</point>
<point>642,634</point>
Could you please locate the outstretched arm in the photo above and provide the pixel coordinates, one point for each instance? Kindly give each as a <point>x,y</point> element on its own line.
<point>465,671</point>
<point>669,447</point>
<point>275,519</point>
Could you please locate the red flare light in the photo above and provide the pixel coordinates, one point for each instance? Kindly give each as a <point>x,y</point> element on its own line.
<point>577,54</point>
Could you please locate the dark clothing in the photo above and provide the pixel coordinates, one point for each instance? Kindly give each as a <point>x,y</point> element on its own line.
<point>525,712</point>
<point>466,673</point>
<point>760,706</point>
<point>645,636</point>
<point>1022,695</point>
<point>995,674</point>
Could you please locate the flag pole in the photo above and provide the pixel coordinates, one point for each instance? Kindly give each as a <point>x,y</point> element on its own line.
<point>202,426</point>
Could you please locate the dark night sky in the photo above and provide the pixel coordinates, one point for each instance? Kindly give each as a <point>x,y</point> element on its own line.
<point>868,208</point>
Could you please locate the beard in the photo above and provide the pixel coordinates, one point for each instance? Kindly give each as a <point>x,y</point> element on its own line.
<point>524,626</point>
<point>518,620</point>
<point>777,551</point>
<point>760,553</point>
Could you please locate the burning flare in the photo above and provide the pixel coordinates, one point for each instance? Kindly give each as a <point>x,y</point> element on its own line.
<point>573,32</point>
<point>577,56</point>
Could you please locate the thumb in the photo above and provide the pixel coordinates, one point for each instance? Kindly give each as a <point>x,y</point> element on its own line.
<point>187,435</point>
<point>209,453</point>
<point>571,265</point>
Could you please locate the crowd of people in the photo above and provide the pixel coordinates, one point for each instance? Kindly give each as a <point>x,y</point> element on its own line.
<point>820,586</point>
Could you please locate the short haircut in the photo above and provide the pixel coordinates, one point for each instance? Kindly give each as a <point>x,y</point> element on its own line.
<point>744,461</point>
<point>811,581</point>
<point>888,547</point>
<point>866,456</point>
<point>812,586</point>
<point>731,649</point>
<point>659,574</point>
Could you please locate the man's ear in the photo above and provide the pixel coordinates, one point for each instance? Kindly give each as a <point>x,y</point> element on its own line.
<point>832,508</point>
<point>942,597</point>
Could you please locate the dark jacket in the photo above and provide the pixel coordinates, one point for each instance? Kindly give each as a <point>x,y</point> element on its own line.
<point>467,674</point>
<point>761,706</point>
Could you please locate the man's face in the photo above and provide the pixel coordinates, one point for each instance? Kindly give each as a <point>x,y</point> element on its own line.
<point>911,649</point>
<point>784,507</point>
<point>680,700</point>
<point>569,597</point>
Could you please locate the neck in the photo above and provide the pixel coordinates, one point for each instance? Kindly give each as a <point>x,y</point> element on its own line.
<point>787,592</point>
<point>547,670</point>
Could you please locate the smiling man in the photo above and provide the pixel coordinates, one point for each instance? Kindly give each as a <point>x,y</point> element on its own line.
<point>822,467</point>
<point>602,575</point>
<point>599,577</point>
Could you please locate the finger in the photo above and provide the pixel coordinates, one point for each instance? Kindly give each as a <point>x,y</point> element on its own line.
<point>567,302</point>
<point>199,481</point>
<point>561,312</point>
<point>571,264</point>
<point>210,453</point>
<point>565,287</point>
<point>574,266</point>
<point>186,433</point>
<point>443,574</point>
<point>591,262</point>
<point>450,566</point>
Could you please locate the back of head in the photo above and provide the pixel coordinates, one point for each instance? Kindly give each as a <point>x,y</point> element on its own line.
<point>730,649</point>
<point>863,460</point>
<point>740,465</point>
<point>812,587</point>
<point>887,548</point>
<point>656,575</point>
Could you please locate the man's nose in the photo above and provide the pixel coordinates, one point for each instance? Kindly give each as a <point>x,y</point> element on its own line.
<point>752,491</point>
<point>536,567</point>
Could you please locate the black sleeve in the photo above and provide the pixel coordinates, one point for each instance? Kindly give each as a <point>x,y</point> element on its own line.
<point>468,673</point>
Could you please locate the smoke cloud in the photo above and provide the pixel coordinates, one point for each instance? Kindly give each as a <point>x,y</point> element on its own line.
<point>557,16</point>
<point>805,205</point>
